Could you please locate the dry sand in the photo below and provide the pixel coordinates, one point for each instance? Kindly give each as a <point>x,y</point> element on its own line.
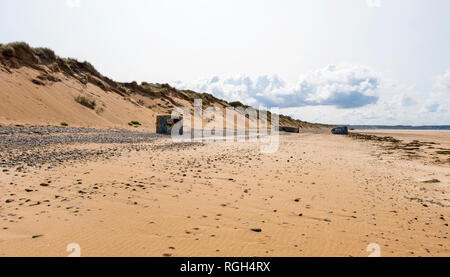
<point>319,195</point>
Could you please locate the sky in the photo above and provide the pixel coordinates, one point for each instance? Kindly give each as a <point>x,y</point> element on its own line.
<point>347,61</point>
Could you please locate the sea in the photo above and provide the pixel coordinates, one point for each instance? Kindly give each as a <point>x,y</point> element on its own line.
<point>400,127</point>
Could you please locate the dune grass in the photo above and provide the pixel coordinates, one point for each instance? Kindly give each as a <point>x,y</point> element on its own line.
<point>83,100</point>
<point>134,123</point>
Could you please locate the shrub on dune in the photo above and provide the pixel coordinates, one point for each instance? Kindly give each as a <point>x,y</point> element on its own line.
<point>85,102</point>
<point>134,123</point>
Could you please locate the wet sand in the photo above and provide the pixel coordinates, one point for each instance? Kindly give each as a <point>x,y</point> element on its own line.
<point>319,195</point>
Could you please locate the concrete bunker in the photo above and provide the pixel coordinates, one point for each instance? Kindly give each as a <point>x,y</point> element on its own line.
<point>165,124</point>
<point>289,129</point>
<point>340,131</point>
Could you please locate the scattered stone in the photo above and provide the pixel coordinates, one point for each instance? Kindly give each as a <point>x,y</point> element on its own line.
<point>432,181</point>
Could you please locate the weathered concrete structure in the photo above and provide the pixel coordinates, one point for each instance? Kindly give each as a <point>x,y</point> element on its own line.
<point>165,123</point>
<point>340,131</point>
<point>289,129</point>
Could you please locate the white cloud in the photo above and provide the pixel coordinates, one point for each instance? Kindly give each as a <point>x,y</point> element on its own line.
<point>408,101</point>
<point>343,86</point>
<point>73,3</point>
<point>443,81</point>
<point>344,94</point>
<point>432,107</point>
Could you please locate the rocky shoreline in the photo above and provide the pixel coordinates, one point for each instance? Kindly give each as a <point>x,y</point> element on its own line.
<point>34,146</point>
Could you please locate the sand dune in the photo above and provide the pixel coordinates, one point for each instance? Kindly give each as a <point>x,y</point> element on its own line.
<point>39,88</point>
<point>24,102</point>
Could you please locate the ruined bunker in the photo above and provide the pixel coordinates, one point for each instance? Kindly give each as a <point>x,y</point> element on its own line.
<point>165,123</point>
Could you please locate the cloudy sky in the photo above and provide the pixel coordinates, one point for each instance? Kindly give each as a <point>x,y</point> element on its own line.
<point>346,61</point>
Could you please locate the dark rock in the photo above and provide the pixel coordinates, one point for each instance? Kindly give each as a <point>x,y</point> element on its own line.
<point>37,82</point>
<point>432,181</point>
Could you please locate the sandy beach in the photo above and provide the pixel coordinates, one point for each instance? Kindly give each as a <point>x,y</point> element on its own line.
<point>138,194</point>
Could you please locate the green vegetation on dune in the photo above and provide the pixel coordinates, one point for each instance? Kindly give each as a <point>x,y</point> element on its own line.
<point>237,104</point>
<point>134,123</point>
<point>85,102</point>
